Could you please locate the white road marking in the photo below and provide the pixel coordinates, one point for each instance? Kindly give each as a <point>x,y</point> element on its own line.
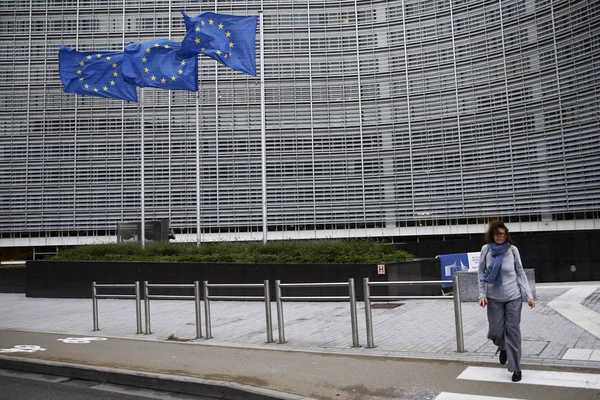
<point>532,377</point>
<point>80,340</point>
<point>569,305</point>
<point>23,348</point>
<point>461,396</point>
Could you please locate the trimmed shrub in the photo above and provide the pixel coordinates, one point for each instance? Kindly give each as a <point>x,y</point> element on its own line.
<point>280,252</point>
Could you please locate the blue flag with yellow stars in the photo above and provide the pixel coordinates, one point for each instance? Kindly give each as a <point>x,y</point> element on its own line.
<point>155,63</point>
<point>229,39</point>
<point>94,73</point>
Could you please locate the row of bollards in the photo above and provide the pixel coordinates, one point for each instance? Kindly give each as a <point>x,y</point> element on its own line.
<point>368,298</point>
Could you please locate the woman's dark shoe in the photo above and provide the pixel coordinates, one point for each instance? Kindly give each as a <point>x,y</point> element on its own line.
<point>517,375</point>
<point>503,357</point>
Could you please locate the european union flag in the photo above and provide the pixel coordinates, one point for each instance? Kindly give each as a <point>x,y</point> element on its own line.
<point>229,39</point>
<point>155,63</point>
<point>94,73</point>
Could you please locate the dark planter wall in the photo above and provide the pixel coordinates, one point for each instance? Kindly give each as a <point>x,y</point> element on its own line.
<point>12,280</point>
<point>551,254</point>
<point>74,279</point>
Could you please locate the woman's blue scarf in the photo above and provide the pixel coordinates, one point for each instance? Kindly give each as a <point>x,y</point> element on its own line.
<point>493,273</point>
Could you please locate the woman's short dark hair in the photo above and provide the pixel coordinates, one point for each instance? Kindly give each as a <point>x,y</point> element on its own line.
<point>493,228</point>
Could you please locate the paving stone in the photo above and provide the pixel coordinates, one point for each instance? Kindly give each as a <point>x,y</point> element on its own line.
<point>419,328</point>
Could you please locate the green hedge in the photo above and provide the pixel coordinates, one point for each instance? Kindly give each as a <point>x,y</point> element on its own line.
<point>282,252</point>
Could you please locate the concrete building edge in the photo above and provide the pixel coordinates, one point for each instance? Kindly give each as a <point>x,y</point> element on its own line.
<point>148,380</point>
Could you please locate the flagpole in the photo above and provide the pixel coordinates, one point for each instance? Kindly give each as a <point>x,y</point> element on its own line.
<point>142,169</point>
<point>263,135</point>
<point>198,168</point>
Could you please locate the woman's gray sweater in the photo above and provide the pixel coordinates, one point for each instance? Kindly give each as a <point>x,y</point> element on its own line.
<point>514,280</point>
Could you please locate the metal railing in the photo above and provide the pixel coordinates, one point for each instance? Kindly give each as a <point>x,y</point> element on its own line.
<point>136,296</point>
<point>267,299</point>
<point>460,345</point>
<point>351,297</point>
<point>195,297</point>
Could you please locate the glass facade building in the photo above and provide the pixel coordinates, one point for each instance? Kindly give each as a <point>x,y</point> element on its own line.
<point>382,119</point>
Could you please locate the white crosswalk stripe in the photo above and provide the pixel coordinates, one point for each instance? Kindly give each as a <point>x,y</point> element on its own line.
<point>533,377</point>
<point>462,396</point>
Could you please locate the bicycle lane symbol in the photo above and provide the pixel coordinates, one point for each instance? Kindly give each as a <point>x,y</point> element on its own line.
<point>23,348</point>
<point>32,348</point>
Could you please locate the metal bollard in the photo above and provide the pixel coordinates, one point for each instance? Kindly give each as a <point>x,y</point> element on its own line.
<point>207,310</point>
<point>147,308</point>
<point>95,306</point>
<point>368,314</point>
<point>460,343</point>
<point>353,316</point>
<point>138,308</point>
<point>268,312</point>
<point>197,302</point>
<point>280,326</point>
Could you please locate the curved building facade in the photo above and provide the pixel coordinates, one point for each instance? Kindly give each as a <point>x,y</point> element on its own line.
<point>382,118</point>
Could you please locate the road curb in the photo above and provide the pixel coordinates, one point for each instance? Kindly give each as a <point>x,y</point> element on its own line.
<point>148,380</point>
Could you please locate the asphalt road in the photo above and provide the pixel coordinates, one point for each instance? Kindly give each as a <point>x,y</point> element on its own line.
<point>26,386</point>
<point>317,375</point>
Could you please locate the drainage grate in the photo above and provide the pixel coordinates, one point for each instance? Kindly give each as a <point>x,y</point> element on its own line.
<point>387,305</point>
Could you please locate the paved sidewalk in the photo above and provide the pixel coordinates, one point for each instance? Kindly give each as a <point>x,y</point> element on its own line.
<point>421,329</point>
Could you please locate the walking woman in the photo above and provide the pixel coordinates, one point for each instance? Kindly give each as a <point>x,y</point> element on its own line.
<point>502,285</point>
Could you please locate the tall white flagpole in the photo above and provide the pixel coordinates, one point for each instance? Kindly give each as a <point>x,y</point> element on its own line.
<point>142,174</point>
<point>263,135</point>
<point>198,168</point>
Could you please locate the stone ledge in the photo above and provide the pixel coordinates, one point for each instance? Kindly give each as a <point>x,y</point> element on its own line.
<point>469,287</point>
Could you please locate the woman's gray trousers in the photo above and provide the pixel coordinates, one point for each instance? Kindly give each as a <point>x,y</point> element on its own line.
<point>504,318</point>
